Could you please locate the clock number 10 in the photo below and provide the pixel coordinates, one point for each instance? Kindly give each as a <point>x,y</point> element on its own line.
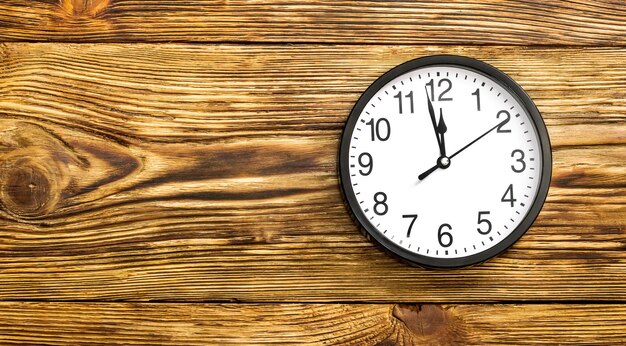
<point>379,132</point>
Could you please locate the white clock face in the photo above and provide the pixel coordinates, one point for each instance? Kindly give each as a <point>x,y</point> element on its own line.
<point>444,162</point>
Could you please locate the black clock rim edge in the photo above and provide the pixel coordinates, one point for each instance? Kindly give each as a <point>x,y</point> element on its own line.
<point>397,251</point>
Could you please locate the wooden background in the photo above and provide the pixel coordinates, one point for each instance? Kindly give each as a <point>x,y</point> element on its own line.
<point>168,174</point>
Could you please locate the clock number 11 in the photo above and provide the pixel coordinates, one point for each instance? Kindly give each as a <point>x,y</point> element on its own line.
<point>399,97</point>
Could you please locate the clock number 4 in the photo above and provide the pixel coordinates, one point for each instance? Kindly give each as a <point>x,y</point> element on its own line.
<point>413,217</point>
<point>399,97</point>
<point>431,84</point>
<point>445,235</point>
<point>508,196</point>
<point>376,129</point>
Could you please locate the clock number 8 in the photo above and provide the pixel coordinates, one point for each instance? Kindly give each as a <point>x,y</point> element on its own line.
<point>441,234</point>
<point>380,198</point>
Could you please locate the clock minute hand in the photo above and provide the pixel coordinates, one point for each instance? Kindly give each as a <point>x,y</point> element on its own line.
<point>434,168</point>
<point>431,112</point>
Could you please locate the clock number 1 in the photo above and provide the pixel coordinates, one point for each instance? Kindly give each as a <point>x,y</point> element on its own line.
<point>477,93</point>
<point>399,97</point>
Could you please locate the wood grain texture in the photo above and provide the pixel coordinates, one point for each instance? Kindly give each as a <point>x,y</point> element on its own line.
<point>185,172</point>
<point>315,324</point>
<point>514,22</point>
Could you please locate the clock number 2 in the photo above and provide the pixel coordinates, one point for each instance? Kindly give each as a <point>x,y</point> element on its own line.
<point>508,118</point>
<point>447,235</point>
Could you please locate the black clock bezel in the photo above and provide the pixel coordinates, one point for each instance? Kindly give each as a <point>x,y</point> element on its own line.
<point>397,251</point>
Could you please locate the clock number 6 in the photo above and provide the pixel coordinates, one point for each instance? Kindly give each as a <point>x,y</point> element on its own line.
<point>441,234</point>
<point>380,198</point>
<point>481,220</point>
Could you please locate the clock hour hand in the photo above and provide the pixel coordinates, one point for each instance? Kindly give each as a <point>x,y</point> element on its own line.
<point>441,130</point>
<point>444,162</point>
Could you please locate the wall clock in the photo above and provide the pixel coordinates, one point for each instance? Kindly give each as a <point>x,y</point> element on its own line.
<point>445,161</point>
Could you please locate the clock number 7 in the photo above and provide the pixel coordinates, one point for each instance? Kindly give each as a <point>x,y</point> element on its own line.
<point>413,217</point>
<point>399,97</point>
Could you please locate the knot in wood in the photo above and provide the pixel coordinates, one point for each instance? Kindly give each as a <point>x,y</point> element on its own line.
<point>84,8</point>
<point>33,169</point>
<point>28,186</point>
<point>430,322</point>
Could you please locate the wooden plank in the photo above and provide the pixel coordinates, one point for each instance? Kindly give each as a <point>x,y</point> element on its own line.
<point>328,324</point>
<point>201,172</point>
<point>466,22</point>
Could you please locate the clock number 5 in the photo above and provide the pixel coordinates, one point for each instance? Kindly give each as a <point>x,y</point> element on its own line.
<point>447,235</point>
<point>413,217</point>
<point>481,220</point>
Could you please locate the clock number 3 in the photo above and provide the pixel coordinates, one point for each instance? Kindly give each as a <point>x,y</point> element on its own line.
<point>520,160</point>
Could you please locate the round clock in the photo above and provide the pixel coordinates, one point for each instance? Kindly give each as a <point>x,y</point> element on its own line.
<point>445,161</point>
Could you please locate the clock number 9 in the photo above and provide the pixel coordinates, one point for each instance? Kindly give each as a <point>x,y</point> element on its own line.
<point>380,198</point>
<point>369,164</point>
<point>521,159</point>
<point>481,220</point>
<point>441,234</point>
<point>376,132</point>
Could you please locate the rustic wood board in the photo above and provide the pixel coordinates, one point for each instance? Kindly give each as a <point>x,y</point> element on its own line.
<point>329,324</point>
<point>184,172</point>
<point>513,22</point>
